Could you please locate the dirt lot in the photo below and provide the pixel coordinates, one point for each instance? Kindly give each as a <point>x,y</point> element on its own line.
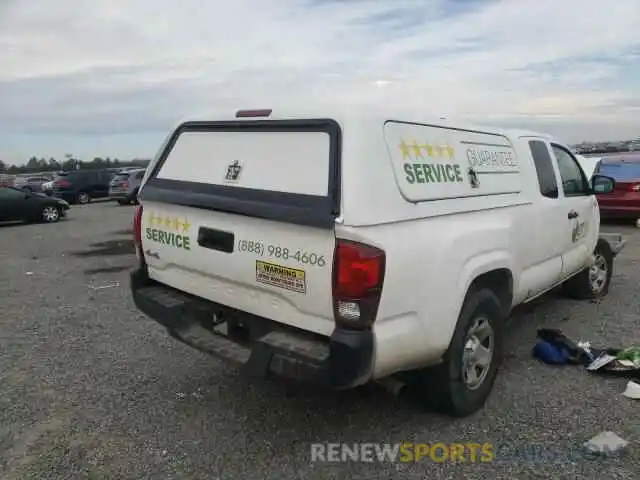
<point>89,388</point>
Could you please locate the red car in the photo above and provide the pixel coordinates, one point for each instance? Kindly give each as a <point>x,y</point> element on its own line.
<point>624,201</point>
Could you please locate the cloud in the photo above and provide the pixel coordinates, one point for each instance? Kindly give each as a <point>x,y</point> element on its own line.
<point>117,67</point>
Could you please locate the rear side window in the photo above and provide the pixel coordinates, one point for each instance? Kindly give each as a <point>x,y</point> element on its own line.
<point>620,170</point>
<point>139,175</point>
<point>544,168</point>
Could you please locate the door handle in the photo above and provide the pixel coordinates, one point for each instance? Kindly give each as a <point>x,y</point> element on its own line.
<point>216,239</point>
<point>572,214</point>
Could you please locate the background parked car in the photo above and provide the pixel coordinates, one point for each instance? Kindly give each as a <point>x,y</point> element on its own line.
<point>31,183</point>
<point>80,186</point>
<point>15,204</point>
<point>624,201</point>
<point>124,186</point>
<point>6,180</point>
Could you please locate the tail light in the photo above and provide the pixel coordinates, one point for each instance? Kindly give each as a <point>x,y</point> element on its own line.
<point>358,277</point>
<point>124,184</point>
<point>62,182</point>
<point>137,233</point>
<point>634,187</point>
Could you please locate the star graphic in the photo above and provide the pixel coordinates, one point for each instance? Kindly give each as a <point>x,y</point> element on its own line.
<point>450,152</point>
<point>429,149</point>
<point>404,148</point>
<point>417,149</point>
<point>185,226</point>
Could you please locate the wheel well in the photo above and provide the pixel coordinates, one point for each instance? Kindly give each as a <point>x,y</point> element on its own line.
<point>500,281</point>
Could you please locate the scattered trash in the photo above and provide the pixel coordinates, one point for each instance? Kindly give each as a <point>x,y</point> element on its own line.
<point>28,273</point>
<point>554,348</point>
<point>108,285</point>
<point>180,395</point>
<point>632,391</point>
<point>197,395</point>
<point>606,443</point>
<point>600,362</point>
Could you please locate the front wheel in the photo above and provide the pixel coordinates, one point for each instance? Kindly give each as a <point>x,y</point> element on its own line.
<point>592,282</point>
<point>461,384</point>
<point>50,214</point>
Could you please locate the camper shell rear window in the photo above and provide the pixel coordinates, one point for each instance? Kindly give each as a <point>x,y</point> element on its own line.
<point>282,170</point>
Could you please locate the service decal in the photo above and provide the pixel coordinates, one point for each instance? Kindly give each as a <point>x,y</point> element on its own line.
<point>169,231</point>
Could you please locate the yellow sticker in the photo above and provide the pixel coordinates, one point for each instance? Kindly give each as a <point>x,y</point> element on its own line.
<point>284,277</point>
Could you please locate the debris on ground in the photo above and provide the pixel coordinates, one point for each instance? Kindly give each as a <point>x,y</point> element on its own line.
<point>632,391</point>
<point>606,444</point>
<point>554,348</point>
<point>107,285</point>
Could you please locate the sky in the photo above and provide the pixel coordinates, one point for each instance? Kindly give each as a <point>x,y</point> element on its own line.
<point>112,77</point>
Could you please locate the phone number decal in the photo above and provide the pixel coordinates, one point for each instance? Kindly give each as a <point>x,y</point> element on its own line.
<point>276,251</point>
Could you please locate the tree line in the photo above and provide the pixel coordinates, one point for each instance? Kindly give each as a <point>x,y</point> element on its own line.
<point>37,165</point>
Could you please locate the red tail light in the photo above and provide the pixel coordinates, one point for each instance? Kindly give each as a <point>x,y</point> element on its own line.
<point>137,233</point>
<point>358,276</point>
<point>634,187</point>
<point>62,182</point>
<point>124,184</point>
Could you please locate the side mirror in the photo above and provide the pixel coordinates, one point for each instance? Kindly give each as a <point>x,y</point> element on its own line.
<point>602,184</point>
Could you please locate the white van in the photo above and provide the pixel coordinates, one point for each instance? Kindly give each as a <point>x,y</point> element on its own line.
<point>359,247</point>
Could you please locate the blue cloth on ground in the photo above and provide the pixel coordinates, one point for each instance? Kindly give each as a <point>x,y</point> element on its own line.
<point>550,353</point>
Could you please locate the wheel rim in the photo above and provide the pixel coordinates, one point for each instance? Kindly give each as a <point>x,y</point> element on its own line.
<point>598,273</point>
<point>478,353</point>
<point>50,214</point>
<point>83,198</point>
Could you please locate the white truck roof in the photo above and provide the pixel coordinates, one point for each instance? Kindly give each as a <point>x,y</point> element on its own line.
<point>372,112</point>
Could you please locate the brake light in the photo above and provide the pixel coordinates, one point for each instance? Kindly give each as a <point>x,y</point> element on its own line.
<point>634,187</point>
<point>358,277</point>
<point>62,182</point>
<point>124,184</point>
<point>263,112</point>
<point>137,233</point>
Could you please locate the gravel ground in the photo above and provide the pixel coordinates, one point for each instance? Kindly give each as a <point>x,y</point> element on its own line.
<point>89,388</point>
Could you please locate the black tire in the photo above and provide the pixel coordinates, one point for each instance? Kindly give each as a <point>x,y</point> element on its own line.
<point>134,197</point>
<point>123,202</point>
<point>443,387</point>
<point>83,198</point>
<point>583,286</point>
<point>27,190</point>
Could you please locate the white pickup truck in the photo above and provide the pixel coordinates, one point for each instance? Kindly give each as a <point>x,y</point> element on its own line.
<point>362,246</point>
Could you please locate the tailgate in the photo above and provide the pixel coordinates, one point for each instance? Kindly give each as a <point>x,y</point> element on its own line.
<point>242,214</point>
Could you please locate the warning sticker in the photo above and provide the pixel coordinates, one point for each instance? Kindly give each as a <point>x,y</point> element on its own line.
<point>284,277</point>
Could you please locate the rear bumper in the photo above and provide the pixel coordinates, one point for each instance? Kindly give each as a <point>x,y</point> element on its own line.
<point>260,346</point>
<point>118,194</point>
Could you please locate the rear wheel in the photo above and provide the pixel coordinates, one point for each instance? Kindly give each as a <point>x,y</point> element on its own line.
<point>50,214</point>
<point>123,202</point>
<point>27,190</point>
<point>592,282</point>
<point>83,198</point>
<point>461,384</point>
